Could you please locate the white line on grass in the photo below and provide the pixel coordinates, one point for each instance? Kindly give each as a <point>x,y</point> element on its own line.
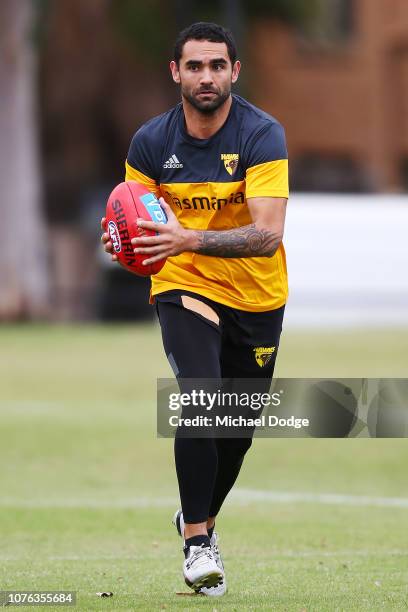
<point>242,496</point>
<point>237,497</point>
<point>276,554</point>
<point>70,502</point>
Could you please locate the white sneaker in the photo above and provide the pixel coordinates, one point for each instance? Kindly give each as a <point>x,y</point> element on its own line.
<point>221,588</point>
<point>200,568</point>
<point>178,522</point>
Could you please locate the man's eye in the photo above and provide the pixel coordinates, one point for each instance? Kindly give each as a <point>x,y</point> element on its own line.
<point>194,68</point>
<point>218,66</point>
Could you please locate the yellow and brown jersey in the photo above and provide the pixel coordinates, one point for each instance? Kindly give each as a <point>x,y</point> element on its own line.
<point>207,183</point>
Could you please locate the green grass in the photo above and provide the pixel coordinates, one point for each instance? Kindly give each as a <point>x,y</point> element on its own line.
<point>87,491</point>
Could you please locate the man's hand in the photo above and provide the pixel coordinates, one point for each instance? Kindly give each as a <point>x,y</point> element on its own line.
<point>171,239</point>
<point>105,239</point>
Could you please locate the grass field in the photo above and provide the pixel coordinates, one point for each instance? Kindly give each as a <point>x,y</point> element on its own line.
<point>87,492</point>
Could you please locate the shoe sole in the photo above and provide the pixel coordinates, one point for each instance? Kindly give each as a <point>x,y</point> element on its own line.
<point>211,579</point>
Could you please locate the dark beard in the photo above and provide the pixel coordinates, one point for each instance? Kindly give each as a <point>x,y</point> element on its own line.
<point>207,108</point>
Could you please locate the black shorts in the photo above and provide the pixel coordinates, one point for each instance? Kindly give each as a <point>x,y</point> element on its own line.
<point>243,345</point>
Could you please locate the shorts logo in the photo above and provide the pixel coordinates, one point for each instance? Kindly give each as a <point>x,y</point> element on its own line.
<point>114,236</point>
<point>230,161</point>
<point>263,355</point>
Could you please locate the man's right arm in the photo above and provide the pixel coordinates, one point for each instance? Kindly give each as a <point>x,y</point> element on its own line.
<point>139,168</point>
<point>133,174</point>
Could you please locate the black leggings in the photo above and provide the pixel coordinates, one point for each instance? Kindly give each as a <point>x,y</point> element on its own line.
<point>196,348</point>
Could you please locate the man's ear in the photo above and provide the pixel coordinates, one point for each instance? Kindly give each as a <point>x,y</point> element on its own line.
<point>235,71</point>
<point>174,71</point>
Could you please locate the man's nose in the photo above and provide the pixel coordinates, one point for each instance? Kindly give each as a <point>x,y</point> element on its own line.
<point>206,76</point>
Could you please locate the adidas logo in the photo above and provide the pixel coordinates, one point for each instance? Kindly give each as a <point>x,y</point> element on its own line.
<point>173,162</point>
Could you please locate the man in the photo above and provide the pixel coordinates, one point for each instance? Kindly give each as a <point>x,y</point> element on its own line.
<point>219,166</point>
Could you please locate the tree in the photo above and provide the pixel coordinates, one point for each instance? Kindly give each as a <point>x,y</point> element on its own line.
<point>23,265</point>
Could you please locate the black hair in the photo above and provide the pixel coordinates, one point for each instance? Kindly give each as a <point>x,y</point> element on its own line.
<point>203,30</point>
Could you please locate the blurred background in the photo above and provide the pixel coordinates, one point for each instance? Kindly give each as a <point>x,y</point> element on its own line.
<point>77,79</point>
<point>86,490</point>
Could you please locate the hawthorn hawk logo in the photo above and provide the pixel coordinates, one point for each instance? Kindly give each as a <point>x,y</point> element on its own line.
<point>230,161</point>
<point>263,355</point>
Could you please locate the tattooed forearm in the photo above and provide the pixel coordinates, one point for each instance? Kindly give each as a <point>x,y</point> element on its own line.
<point>246,241</point>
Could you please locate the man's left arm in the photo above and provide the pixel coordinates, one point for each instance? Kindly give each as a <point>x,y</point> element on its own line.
<point>259,239</point>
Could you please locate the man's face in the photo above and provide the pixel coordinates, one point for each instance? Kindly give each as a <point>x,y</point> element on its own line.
<point>205,74</point>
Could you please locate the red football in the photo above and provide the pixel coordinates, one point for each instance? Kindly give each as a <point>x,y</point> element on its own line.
<point>127,202</point>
